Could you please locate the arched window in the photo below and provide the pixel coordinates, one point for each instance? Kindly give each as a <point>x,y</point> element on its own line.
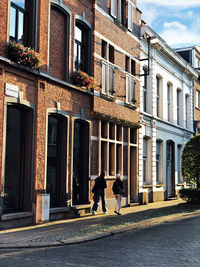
<point>22,21</point>
<point>82,48</point>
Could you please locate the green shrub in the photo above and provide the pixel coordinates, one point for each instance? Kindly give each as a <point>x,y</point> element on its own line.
<point>191,196</point>
<point>190,165</point>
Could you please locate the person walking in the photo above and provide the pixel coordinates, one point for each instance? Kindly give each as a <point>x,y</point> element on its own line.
<point>118,190</point>
<point>99,192</point>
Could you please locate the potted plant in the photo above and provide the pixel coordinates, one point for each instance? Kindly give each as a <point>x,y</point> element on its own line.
<point>22,55</point>
<point>82,79</point>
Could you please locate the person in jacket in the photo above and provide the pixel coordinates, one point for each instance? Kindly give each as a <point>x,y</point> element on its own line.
<point>118,190</point>
<point>99,192</point>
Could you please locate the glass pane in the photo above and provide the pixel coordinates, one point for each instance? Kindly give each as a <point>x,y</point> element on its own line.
<point>20,3</point>
<point>132,90</point>
<point>12,23</point>
<point>78,34</point>
<point>20,28</point>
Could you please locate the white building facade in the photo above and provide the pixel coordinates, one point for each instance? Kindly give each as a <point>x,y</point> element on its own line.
<point>166,100</point>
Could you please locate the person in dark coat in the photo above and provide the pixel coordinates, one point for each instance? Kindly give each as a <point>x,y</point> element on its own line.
<point>99,192</point>
<point>118,190</point>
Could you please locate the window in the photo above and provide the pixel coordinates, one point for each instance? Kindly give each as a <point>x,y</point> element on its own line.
<point>117,9</point>
<point>130,16</point>
<point>130,89</point>
<point>198,99</point>
<point>22,20</point>
<point>179,149</point>
<point>145,160</point>
<point>158,96</point>
<point>197,62</point>
<point>130,81</point>
<point>108,70</point>
<point>111,148</point>
<point>145,90</point>
<point>104,49</point>
<point>81,47</point>
<point>178,105</point>
<point>158,161</point>
<point>169,102</point>
<point>186,110</point>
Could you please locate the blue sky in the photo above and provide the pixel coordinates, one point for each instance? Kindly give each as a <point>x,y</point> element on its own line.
<point>176,21</point>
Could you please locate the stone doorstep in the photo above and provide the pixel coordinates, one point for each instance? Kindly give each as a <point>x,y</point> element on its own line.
<point>17,215</point>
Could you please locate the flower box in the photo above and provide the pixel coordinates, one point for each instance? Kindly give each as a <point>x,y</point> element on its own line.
<point>22,55</point>
<point>82,79</point>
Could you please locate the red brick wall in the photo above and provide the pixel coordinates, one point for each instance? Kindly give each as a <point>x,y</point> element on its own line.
<point>4,24</point>
<point>57,44</point>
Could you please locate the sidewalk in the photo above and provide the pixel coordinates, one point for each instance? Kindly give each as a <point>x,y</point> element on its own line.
<point>89,227</point>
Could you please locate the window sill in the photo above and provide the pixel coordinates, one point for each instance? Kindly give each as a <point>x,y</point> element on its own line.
<point>181,184</point>
<point>128,105</point>
<point>107,97</point>
<point>159,185</point>
<point>147,186</point>
<point>120,25</point>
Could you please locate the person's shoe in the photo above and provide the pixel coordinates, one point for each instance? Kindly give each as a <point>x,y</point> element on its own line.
<point>93,212</point>
<point>119,213</point>
<point>105,212</point>
<point>115,212</point>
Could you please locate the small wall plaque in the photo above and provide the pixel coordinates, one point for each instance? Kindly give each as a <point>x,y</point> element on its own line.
<point>12,90</point>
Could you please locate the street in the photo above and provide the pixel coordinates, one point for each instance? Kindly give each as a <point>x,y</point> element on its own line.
<point>167,244</point>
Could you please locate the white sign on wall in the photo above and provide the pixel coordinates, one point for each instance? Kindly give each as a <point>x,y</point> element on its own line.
<point>12,90</point>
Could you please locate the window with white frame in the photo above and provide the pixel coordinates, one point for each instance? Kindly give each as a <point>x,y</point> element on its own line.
<point>145,92</point>
<point>186,110</point>
<point>178,98</point>
<point>116,9</point>
<point>145,163</point>
<point>158,162</point>
<point>107,69</point>
<point>169,102</point>
<point>130,80</point>
<point>179,151</point>
<point>130,16</point>
<point>197,62</point>
<point>158,83</point>
<point>197,99</point>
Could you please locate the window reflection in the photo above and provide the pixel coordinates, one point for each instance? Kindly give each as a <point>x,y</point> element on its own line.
<point>20,3</point>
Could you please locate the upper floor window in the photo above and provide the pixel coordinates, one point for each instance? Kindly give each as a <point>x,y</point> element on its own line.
<point>178,105</point>
<point>130,81</point>
<point>116,9</point>
<point>107,68</point>
<point>145,92</point>
<point>158,96</point>
<point>130,16</point>
<point>197,62</point>
<point>198,99</point>
<point>22,20</point>
<point>81,47</point>
<point>169,102</point>
<point>186,110</point>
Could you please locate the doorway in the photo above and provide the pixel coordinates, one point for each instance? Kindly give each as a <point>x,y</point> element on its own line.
<point>18,160</point>
<point>81,163</point>
<point>170,175</point>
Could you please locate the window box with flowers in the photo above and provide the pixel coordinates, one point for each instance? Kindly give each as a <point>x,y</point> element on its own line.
<point>82,79</point>
<point>22,55</point>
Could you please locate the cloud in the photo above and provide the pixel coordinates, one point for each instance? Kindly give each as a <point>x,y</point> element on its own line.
<point>177,34</point>
<point>179,3</point>
<point>176,25</point>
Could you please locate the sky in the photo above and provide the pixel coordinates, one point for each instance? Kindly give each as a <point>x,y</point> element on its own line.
<point>176,21</point>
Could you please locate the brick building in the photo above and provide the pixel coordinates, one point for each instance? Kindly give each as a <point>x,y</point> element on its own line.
<point>57,137</point>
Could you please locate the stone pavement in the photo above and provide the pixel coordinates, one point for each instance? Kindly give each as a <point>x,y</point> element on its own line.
<point>89,227</point>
